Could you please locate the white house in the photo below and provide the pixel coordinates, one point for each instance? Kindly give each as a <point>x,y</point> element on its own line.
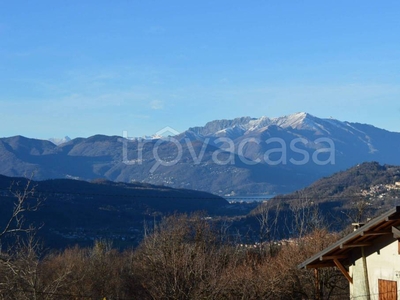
<point>369,258</point>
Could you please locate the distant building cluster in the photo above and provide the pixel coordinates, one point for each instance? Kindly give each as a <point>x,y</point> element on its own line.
<point>380,190</point>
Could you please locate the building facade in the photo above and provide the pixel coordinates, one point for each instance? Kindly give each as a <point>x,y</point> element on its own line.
<point>369,258</point>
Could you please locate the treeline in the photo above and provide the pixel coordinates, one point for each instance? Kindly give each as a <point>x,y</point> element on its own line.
<point>183,257</point>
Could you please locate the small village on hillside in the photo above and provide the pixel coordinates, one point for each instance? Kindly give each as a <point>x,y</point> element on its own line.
<point>380,190</point>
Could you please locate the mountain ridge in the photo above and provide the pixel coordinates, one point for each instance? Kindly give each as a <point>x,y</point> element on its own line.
<point>77,212</point>
<point>246,156</point>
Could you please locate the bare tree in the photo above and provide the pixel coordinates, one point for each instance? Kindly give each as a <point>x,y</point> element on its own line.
<point>267,217</point>
<point>306,216</point>
<point>26,199</point>
<point>359,210</point>
<point>21,260</point>
<point>29,274</point>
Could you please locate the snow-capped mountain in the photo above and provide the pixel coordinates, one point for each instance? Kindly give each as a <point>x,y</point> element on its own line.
<point>243,126</point>
<point>59,141</point>
<point>256,136</point>
<point>244,155</point>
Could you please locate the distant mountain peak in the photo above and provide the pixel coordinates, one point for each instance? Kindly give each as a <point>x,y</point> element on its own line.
<point>300,120</point>
<point>59,141</point>
<point>238,126</point>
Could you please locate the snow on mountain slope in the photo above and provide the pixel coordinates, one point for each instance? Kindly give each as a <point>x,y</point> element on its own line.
<point>253,137</point>
<point>257,124</point>
<point>231,132</point>
<point>242,126</point>
<point>300,120</point>
<point>59,141</point>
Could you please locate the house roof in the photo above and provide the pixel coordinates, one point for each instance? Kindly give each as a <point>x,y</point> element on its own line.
<point>364,236</point>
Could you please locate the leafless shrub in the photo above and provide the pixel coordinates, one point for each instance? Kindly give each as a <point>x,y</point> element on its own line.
<point>183,258</point>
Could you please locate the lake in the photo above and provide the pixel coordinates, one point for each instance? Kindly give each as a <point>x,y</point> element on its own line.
<point>257,198</point>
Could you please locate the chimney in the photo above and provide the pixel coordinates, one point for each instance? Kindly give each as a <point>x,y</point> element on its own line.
<point>357,225</point>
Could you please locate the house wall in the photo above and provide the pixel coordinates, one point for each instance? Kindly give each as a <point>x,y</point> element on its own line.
<point>383,262</point>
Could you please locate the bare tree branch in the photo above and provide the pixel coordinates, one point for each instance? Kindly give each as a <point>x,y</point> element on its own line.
<point>26,200</point>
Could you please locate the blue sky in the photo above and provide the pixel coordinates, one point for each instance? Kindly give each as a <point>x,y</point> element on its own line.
<point>80,68</point>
